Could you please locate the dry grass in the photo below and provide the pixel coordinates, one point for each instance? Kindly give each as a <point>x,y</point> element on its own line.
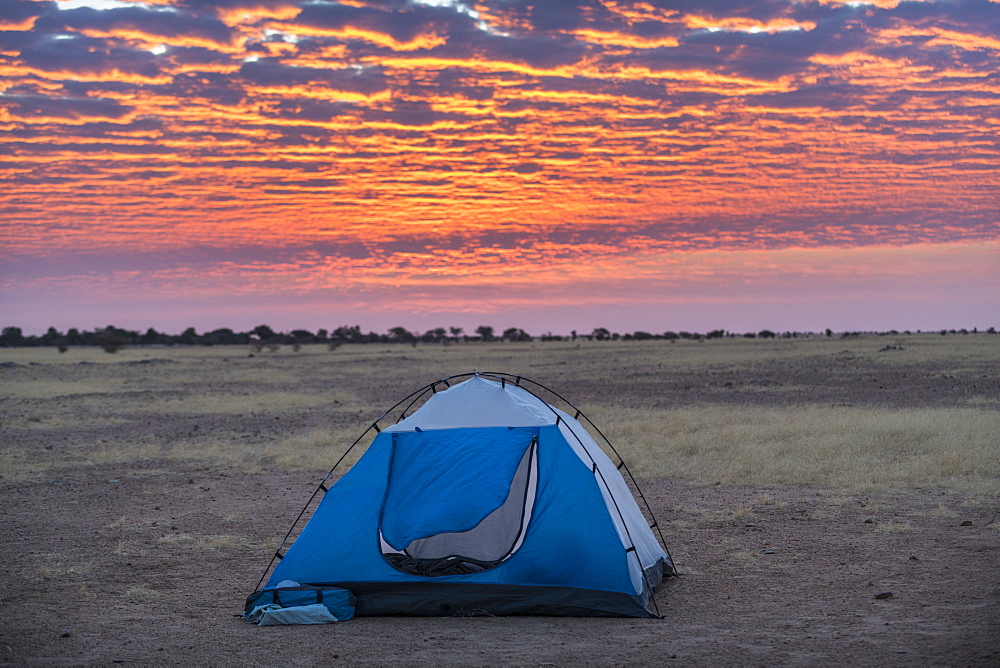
<point>108,411</point>
<point>231,454</point>
<point>52,422</point>
<point>50,389</point>
<point>942,511</point>
<point>130,548</point>
<point>854,449</point>
<point>56,569</point>
<point>221,543</point>
<point>173,538</point>
<point>317,450</point>
<point>16,466</point>
<point>138,594</point>
<point>236,404</point>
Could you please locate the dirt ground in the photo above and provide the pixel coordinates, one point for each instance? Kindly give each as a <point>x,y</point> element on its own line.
<point>148,560</point>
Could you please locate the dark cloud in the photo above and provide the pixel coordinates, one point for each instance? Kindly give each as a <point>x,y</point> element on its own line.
<point>524,17</point>
<point>271,72</point>
<point>533,51</point>
<point>203,87</point>
<point>562,16</point>
<point>977,16</point>
<point>165,23</point>
<point>767,55</point>
<point>215,7</point>
<point>89,56</point>
<point>310,110</point>
<point>527,168</point>
<point>194,56</point>
<point>35,106</point>
<point>402,24</point>
<point>414,113</point>
<point>16,12</point>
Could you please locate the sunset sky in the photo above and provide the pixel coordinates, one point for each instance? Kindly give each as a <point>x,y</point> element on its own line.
<point>550,165</point>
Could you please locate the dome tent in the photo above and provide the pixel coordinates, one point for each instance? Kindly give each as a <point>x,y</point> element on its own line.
<point>485,500</point>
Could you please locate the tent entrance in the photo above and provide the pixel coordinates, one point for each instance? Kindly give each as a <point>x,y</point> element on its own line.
<point>458,501</point>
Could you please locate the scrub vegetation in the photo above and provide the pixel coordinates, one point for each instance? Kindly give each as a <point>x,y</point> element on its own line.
<point>860,414</point>
<point>852,448</point>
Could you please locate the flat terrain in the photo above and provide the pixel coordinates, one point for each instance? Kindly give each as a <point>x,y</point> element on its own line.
<point>828,501</point>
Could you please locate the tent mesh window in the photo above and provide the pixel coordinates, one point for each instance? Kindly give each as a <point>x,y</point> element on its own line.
<point>495,535</point>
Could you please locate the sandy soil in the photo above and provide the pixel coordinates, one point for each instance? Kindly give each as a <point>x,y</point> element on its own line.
<point>148,561</point>
<point>777,577</point>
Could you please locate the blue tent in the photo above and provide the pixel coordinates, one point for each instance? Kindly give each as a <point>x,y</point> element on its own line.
<point>485,500</point>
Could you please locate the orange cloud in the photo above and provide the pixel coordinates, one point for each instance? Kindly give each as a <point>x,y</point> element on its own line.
<point>624,39</point>
<point>743,24</point>
<point>425,41</point>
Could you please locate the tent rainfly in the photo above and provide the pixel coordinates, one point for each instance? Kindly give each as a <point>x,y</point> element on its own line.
<point>486,500</point>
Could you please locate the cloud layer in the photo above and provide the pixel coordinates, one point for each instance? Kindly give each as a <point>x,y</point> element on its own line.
<point>381,141</point>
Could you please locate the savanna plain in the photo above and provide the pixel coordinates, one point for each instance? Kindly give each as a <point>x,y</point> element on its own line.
<point>828,501</point>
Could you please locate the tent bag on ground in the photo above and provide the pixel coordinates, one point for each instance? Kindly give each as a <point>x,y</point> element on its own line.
<point>339,602</point>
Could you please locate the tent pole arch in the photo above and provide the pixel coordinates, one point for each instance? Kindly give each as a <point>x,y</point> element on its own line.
<point>503,378</point>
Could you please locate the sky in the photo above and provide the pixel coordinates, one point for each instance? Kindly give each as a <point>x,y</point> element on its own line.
<point>549,165</point>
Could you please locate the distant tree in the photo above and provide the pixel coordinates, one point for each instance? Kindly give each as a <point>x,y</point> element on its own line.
<point>516,334</point>
<point>436,335</point>
<point>189,337</point>
<point>54,338</point>
<point>11,336</point>
<point>111,339</point>
<point>345,334</point>
<point>263,332</point>
<point>716,334</point>
<point>150,337</point>
<point>829,332</point>
<point>641,336</point>
<point>766,334</point>
<point>322,335</point>
<point>401,335</point>
<point>671,336</point>
<point>455,333</point>
<point>485,332</point>
<point>49,337</point>
<point>223,337</point>
<point>601,334</point>
<point>301,336</point>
